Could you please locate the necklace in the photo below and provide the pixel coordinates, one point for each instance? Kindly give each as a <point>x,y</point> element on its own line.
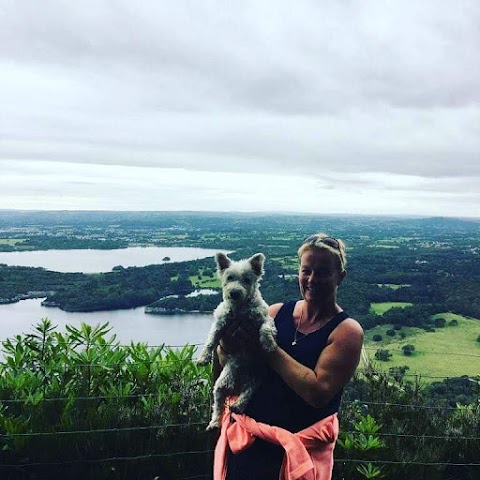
<point>295,338</point>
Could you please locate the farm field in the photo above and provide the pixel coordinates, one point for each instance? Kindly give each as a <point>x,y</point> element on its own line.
<point>205,281</point>
<point>381,307</point>
<point>447,352</point>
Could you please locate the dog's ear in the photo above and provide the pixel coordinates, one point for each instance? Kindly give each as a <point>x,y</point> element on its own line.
<point>257,261</point>
<point>223,261</point>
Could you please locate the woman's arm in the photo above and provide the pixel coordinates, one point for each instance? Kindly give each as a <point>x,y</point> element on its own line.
<point>335,366</point>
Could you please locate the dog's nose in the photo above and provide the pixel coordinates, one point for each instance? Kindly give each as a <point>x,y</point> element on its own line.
<point>235,294</point>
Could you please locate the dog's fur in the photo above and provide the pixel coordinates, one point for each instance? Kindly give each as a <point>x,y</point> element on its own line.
<point>242,302</point>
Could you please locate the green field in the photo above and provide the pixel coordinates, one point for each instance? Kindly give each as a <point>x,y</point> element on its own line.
<point>449,351</point>
<point>381,308</point>
<point>205,281</point>
<point>287,262</point>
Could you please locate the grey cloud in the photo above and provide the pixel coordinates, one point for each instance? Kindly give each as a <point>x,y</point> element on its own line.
<point>352,87</point>
<point>403,142</point>
<point>319,58</point>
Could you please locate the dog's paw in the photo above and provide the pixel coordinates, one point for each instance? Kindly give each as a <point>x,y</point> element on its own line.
<point>204,359</point>
<point>237,408</point>
<point>268,343</point>
<point>214,424</point>
<point>270,347</point>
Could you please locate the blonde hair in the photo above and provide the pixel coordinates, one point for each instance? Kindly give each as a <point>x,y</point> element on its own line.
<point>316,243</point>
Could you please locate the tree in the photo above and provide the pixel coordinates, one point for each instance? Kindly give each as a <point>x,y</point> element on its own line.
<point>377,338</point>
<point>440,322</point>
<point>383,355</point>
<point>408,350</point>
<point>398,373</point>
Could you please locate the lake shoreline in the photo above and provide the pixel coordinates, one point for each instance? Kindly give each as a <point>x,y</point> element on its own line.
<point>26,296</point>
<point>148,310</point>
<point>127,325</point>
<point>96,261</point>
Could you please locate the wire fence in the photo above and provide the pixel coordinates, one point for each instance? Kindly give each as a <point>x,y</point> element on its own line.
<point>206,455</point>
<point>77,343</point>
<point>199,459</point>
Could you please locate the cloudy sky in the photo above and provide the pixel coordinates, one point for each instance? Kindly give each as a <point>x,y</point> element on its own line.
<point>344,106</point>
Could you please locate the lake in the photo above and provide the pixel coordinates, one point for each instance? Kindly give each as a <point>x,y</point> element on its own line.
<point>129,325</point>
<point>97,261</point>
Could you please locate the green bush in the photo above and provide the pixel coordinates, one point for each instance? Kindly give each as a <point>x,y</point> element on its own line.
<point>360,443</point>
<point>70,401</point>
<point>383,355</point>
<point>408,350</point>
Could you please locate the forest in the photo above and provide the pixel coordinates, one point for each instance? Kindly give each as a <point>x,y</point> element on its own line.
<point>433,263</point>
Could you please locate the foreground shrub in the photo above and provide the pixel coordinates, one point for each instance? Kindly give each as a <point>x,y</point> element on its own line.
<point>80,405</point>
<point>422,434</point>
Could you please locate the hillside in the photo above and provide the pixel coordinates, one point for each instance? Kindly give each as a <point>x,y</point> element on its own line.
<point>450,351</point>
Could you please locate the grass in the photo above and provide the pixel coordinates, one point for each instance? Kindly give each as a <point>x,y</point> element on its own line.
<point>286,262</point>
<point>451,351</point>
<point>200,281</point>
<point>381,307</point>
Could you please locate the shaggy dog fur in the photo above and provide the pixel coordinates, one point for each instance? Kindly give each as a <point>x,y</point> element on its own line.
<point>242,302</point>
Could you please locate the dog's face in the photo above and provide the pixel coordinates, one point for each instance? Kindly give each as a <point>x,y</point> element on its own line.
<point>239,279</point>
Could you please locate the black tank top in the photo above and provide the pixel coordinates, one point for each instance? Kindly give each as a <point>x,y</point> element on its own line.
<point>275,403</point>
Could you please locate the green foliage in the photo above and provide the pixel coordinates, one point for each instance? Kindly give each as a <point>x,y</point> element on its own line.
<point>398,373</point>
<point>71,400</point>
<point>361,442</point>
<point>383,355</point>
<point>418,425</point>
<point>108,400</point>
<point>408,350</point>
<point>460,427</point>
<point>440,322</point>
<point>198,303</point>
<point>370,471</point>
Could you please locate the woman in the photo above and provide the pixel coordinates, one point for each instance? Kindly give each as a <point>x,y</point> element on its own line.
<point>318,350</point>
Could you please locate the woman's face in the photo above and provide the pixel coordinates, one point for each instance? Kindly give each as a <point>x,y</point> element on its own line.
<point>319,275</point>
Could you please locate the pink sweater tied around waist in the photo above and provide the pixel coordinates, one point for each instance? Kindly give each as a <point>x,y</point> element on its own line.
<point>308,453</point>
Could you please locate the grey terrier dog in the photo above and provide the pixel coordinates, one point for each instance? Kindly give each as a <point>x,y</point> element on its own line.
<point>243,304</point>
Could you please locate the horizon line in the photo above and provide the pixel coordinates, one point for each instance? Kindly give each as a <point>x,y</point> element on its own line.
<point>241,212</point>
